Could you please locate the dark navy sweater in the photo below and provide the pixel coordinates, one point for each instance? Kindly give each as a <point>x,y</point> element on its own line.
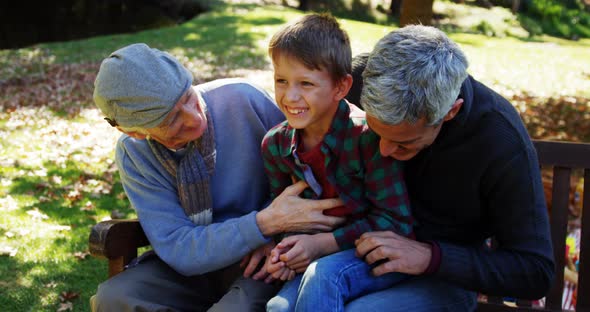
<point>480,178</point>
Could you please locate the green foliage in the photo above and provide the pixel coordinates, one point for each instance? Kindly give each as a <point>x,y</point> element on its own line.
<point>485,28</point>
<point>491,22</point>
<point>531,25</point>
<point>567,19</point>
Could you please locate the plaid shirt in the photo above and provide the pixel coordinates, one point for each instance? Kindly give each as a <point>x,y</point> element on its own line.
<point>370,185</point>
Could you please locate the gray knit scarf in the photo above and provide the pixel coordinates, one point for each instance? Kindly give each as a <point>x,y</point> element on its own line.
<point>193,173</point>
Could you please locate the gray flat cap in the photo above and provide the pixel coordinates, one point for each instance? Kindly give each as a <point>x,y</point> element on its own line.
<point>137,86</point>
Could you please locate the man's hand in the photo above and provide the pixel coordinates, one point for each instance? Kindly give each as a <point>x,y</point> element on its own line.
<point>400,254</point>
<point>256,258</point>
<point>291,213</point>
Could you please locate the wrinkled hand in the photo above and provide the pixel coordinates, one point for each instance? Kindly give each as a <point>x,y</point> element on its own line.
<point>276,268</point>
<point>252,261</point>
<point>290,213</point>
<point>400,254</point>
<point>300,251</point>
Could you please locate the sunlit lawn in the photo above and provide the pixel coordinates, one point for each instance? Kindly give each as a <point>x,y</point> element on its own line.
<point>57,176</point>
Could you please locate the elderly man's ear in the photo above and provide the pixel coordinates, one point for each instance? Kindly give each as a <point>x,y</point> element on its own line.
<point>133,134</point>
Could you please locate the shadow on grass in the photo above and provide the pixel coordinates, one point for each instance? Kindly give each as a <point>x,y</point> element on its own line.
<point>213,32</point>
<point>42,285</point>
<point>52,257</point>
<point>77,198</point>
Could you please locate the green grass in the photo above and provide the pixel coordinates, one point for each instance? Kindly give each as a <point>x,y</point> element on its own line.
<point>57,179</point>
<point>552,67</point>
<point>57,176</point>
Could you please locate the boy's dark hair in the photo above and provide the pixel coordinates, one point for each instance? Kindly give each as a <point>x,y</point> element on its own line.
<point>359,62</point>
<point>317,41</point>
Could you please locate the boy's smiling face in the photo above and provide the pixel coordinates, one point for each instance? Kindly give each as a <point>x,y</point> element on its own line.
<point>308,97</point>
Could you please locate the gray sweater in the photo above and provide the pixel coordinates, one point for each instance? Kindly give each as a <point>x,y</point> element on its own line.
<point>241,113</point>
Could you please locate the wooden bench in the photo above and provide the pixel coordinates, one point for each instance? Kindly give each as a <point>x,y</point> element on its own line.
<point>118,240</point>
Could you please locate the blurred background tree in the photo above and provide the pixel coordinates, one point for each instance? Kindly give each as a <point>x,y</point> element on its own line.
<point>25,22</point>
<point>28,22</point>
<point>562,18</point>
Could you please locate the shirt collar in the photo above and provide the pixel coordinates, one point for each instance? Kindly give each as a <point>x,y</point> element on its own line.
<point>334,136</point>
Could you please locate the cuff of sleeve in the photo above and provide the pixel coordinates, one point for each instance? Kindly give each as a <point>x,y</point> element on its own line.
<point>435,258</point>
<point>249,228</point>
<point>342,240</point>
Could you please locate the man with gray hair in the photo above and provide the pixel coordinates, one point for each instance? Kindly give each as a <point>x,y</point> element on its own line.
<point>472,173</point>
<point>190,164</point>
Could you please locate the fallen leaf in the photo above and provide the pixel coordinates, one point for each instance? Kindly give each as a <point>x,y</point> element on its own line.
<point>89,206</point>
<point>65,306</point>
<point>5,285</point>
<point>81,255</point>
<point>44,199</point>
<point>55,179</point>
<point>74,195</point>
<point>68,295</point>
<point>7,251</point>
<point>59,228</point>
<point>36,214</point>
<point>24,232</point>
<point>116,214</point>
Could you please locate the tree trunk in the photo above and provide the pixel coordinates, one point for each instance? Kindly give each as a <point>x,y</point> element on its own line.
<point>303,5</point>
<point>416,12</point>
<point>395,7</point>
<point>515,6</point>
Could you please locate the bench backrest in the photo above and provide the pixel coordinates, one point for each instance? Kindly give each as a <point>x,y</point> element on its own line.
<point>563,158</point>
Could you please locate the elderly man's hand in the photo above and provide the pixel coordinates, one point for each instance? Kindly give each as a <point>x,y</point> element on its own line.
<point>291,213</point>
<point>390,252</point>
<point>257,259</point>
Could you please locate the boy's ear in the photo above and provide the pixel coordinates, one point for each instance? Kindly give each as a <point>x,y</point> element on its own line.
<point>343,86</point>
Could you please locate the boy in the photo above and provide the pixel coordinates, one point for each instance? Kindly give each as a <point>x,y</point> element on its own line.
<point>327,143</point>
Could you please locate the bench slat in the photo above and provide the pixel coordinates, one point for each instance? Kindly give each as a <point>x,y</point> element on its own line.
<point>494,307</point>
<point>559,211</point>
<point>583,303</point>
<point>564,154</point>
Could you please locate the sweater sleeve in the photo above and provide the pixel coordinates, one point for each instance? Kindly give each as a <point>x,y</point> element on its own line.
<point>241,114</point>
<point>175,238</point>
<point>522,264</point>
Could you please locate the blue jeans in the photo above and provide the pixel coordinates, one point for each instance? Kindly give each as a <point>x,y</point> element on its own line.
<point>329,283</point>
<point>417,294</point>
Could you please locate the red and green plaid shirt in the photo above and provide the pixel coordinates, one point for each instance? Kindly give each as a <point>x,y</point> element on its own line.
<point>371,186</point>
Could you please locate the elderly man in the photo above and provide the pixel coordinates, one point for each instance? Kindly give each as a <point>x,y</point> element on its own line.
<point>471,172</point>
<point>190,164</point>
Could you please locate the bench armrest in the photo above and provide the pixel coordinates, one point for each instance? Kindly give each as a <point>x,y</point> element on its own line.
<point>117,241</point>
